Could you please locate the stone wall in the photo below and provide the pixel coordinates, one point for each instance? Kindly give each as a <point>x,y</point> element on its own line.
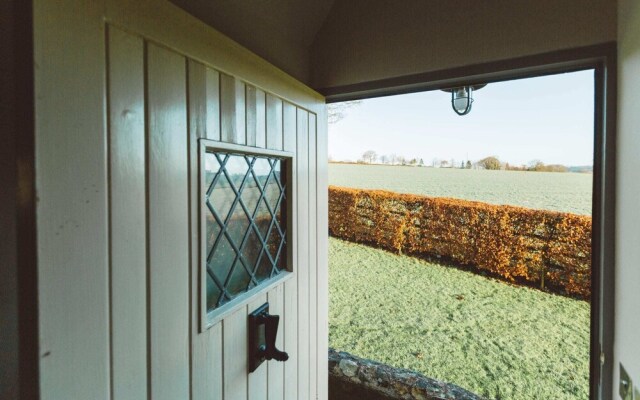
<point>351,378</point>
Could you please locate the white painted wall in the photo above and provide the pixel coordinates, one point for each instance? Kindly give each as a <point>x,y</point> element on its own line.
<point>627,329</point>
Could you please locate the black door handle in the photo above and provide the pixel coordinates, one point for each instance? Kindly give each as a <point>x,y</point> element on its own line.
<point>263,331</point>
<point>271,332</point>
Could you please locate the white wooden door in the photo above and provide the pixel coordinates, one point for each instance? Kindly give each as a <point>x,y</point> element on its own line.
<point>169,85</point>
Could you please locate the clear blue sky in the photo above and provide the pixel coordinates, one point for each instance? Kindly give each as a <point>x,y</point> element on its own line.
<point>547,118</point>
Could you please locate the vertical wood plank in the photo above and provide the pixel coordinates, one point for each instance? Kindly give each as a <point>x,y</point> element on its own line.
<point>251,115</point>
<point>241,112</point>
<point>208,364</point>
<point>71,181</point>
<point>313,312</point>
<point>197,95</point>
<point>168,225</point>
<point>261,119</point>
<point>322,277</point>
<point>289,126</point>
<point>291,339</point>
<point>228,128</point>
<point>302,152</point>
<point>235,355</point>
<point>206,352</point>
<point>290,287</point>
<point>128,217</point>
<point>274,122</point>
<point>276,369</point>
<point>257,380</point>
<point>212,87</point>
<point>197,100</point>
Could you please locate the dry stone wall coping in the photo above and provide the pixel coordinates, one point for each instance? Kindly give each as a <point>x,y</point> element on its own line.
<point>351,377</point>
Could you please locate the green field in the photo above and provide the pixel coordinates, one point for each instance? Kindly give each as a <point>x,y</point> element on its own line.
<point>569,192</point>
<point>495,339</point>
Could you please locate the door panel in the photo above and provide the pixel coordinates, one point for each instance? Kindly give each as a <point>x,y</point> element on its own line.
<point>313,281</point>
<point>303,170</point>
<point>128,217</point>
<point>275,370</point>
<point>274,122</point>
<point>235,365</point>
<point>120,109</point>
<point>322,251</point>
<point>207,358</point>
<point>161,104</point>
<point>72,203</point>
<point>257,381</point>
<point>168,245</point>
<point>290,328</point>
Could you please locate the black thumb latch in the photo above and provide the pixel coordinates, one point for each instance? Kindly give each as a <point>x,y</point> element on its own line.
<point>263,331</point>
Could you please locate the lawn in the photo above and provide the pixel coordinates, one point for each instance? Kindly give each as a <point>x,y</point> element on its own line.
<point>495,339</point>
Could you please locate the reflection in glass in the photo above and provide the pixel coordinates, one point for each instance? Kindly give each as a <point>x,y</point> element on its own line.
<point>236,170</point>
<point>244,223</point>
<point>222,196</point>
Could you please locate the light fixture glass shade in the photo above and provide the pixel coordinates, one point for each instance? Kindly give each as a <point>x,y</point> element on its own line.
<point>462,99</point>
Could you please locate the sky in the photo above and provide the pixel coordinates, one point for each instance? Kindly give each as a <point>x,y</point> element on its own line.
<point>545,118</point>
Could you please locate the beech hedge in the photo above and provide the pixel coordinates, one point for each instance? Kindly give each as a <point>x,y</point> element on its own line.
<point>546,248</point>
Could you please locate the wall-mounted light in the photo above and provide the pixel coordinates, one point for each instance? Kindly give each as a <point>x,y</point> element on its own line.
<point>462,98</point>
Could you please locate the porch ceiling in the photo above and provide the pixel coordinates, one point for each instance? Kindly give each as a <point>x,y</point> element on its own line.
<point>330,45</point>
<point>280,31</point>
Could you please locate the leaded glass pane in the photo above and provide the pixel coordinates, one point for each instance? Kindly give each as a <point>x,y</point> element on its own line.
<point>236,169</point>
<point>264,267</point>
<point>221,196</point>
<point>251,195</point>
<point>211,169</point>
<point>213,292</point>
<point>222,259</point>
<point>245,223</point>
<point>263,219</point>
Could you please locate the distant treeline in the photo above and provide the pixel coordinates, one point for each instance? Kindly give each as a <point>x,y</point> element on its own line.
<point>489,163</point>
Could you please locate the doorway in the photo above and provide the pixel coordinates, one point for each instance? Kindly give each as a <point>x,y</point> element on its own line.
<point>600,298</point>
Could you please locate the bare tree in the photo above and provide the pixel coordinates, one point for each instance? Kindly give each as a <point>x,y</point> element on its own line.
<point>384,159</point>
<point>337,111</point>
<point>536,165</point>
<point>369,156</point>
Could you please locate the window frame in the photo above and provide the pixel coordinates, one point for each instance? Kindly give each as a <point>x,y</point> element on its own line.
<point>209,318</point>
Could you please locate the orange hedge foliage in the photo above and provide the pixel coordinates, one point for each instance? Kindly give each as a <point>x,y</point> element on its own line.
<point>548,248</point>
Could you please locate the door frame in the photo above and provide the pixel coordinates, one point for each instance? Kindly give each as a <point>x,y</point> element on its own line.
<point>19,339</point>
<point>602,58</point>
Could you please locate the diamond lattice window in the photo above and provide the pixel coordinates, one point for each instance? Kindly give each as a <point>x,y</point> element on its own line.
<point>245,223</point>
